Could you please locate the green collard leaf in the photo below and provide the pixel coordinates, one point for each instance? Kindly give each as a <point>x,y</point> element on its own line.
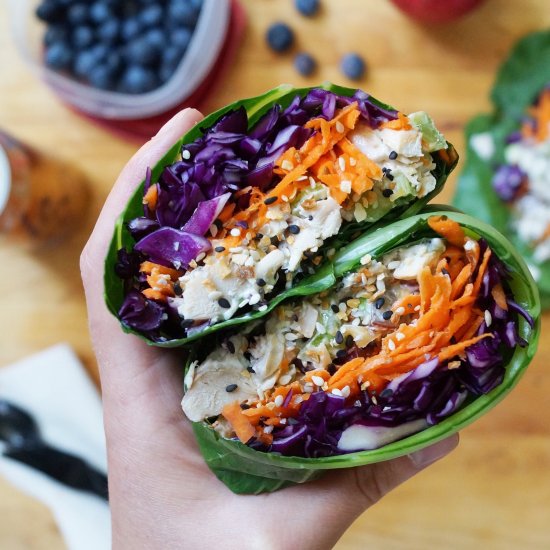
<point>256,107</point>
<point>245,470</point>
<point>520,80</point>
<point>523,75</point>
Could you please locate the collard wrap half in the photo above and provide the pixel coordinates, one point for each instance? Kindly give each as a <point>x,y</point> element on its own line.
<point>506,178</point>
<point>248,206</point>
<point>431,322</point>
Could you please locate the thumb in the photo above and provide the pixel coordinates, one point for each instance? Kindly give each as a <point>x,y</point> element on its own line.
<point>340,497</point>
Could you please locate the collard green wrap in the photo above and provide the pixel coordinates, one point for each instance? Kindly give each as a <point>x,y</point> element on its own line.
<point>245,470</point>
<point>323,278</point>
<point>520,80</point>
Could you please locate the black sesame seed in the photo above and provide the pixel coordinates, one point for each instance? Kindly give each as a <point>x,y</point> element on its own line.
<point>341,353</point>
<point>339,338</point>
<point>270,200</point>
<point>310,217</point>
<point>387,315</point>
<point>379,303</point>
<point>387,193</point>
<point>250,370</point>
<point>389,175</point>
<point>224,303</point>
<point>393,155</point>
<point>386,393</point>
<point>230,388</point>
<point>219,248</point>
<point>186,323</point>
<point>244,406</point>
<point>230,346</point>
<point>178,291</point>
<point>444,271</point>
<point>331,369</point>
<point>349,341</point>
<point>334,308</point>
<point>294,229</point>
<point>453,340</point>
<point>275,240</point>
<point>260,282</point>
<point>218,223</point>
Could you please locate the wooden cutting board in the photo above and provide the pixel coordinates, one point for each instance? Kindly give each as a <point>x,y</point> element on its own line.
<point>494,490</point>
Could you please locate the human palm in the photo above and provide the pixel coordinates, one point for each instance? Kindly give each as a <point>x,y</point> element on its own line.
<point>162,494</point>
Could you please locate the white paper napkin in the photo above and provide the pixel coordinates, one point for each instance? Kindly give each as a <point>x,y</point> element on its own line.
<point>54,387</point>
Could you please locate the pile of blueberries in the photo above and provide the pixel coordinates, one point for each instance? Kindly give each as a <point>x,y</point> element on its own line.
<point>128,46</point>
<point>280,38</point>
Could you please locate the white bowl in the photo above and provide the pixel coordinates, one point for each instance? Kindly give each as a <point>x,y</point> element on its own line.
<point>206,42</point>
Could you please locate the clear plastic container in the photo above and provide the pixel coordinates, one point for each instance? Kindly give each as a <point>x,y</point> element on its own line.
<point>203,50</point>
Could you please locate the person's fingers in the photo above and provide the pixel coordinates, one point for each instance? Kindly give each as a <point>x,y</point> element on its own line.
<point>122,357</point>
<point>340,497</point>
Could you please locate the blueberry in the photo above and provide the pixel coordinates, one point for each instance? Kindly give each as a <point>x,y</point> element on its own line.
<point>82,37</point>
<point>58,56</point>
<point>156,39</point>
<point>77,14</point>
<point>353,66</point>
<point>183,13</point>
<point>140,52</point>
<point>84,62</point>
<point>151,16</point>
<point>102,77</point>
<point>307,7</point>
<point>55,33</point>
<point>279,37</point>
<point>109,31</point>
<point>137,80</point>
<point>48,11</point>
<point>113,60</point>
<point>181,38</point>
<point>100,12</point>
<point>131,27</point>
<point>172,55</point>
<point>304,64</point>
<point>101,51</point>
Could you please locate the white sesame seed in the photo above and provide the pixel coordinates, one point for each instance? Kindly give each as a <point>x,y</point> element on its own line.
<point>339,127</point>
<point>317,380</point>
<point>279,400</point>
<point>243,302</point>
<point>394,264</point>
<point>176,245</point>
<point>213,230</point>
<point>342,163</point>
<point>374,400</point>
<point>357,403</point>
<point>298,399</point>
<point>308,388</point>
<point>235,232</point>
<point>291,336</point>
<point>400,310</point>
<point>287,165</point>
<point>469,245</point>
<point>488,318</point>
<point>302,178</point>
<point>284,198</point>
<point>268,429</point>
<point>366,259</point>
<point>417,308</point>
<point>365,385</point>
<point>285,379</point>
<point>312,182</point>
<point>262,308</point>
<point>185,154</point>
<point>336,391</point>
<point>399,336</point>
<point>391,345</point>
<point>200,257</point>
<point>359,212</point>
<point>352,161</point>
<point>346,390</point>
<point>345,186</point>
<point>236,249</point>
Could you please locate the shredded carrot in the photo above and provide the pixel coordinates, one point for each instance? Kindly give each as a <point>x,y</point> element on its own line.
<point>151,197</point>
<point>497,292</point>
<point>240,423</point>
<point>400,123</point>
<point>447,228</point>
<point>150,267</point>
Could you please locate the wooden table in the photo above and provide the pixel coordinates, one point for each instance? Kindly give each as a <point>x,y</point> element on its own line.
<point>492,492</point>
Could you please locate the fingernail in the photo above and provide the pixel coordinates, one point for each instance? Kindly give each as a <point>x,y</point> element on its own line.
<point>429,455</point>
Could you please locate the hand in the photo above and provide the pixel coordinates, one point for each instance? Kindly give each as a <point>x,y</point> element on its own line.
<point>162,494</point>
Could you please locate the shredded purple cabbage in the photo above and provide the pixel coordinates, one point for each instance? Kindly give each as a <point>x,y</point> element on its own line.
<point>432,391</point>
<point>226,158</point>
<point>508,182</point>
